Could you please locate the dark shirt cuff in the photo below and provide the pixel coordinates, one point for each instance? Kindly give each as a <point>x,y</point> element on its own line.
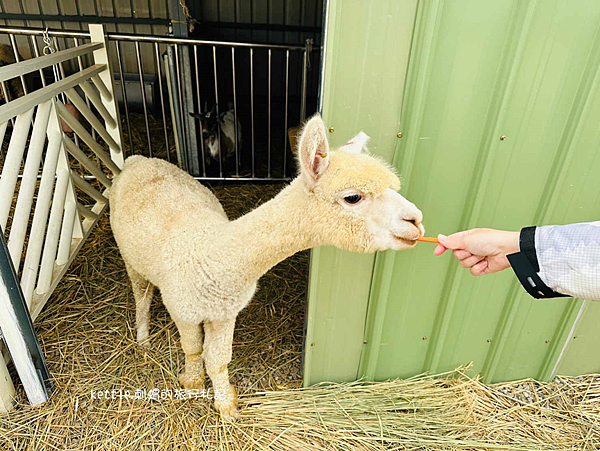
<point>525,265</point>
<point>527,246</point>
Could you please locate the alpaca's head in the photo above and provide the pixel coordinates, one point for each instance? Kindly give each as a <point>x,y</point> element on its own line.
<point>355,195</point>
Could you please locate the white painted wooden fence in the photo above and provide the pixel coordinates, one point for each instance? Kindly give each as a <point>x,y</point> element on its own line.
<point>61,218</point>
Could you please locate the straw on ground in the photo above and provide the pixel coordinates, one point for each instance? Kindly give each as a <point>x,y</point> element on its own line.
<point>87,334</point>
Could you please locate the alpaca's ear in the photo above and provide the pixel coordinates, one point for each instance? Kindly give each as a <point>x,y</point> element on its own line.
<point>313,149</point>
<point>357,145</point>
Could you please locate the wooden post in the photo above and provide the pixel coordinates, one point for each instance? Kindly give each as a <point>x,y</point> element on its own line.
<point>108,96</point>
<point>7,389</point>
<point>18,332</point>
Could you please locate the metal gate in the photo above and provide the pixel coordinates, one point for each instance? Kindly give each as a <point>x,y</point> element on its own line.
<point>70,191</point>
<point>263,86</point>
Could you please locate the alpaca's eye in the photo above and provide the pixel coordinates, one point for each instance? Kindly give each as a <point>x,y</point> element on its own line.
<point>354,199</point>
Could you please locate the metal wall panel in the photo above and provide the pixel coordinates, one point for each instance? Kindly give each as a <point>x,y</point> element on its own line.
<point>363,90</point>
<point>302,13</point>
<point>526,70</point>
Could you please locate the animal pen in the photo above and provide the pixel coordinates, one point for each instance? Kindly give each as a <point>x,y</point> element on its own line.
<point>269,89</point>
<point>353,323</point>
<point>172,84</point>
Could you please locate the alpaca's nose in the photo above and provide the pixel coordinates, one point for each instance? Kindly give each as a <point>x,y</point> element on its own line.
<point>413,215</point>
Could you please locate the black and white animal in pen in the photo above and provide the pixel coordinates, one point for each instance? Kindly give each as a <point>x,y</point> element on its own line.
<point>255,92</point>
<point>218,134</point>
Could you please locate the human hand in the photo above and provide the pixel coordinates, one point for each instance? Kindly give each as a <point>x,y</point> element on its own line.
<point>482,250</point>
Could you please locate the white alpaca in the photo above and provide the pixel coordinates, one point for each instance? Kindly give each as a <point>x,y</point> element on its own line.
<point>173,234</point>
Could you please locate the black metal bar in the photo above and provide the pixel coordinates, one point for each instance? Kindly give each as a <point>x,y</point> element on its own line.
<point>251,19</point>
<point>85,19</point>
<point>162,101</point>
<point>252,103</point>
<point>143,90</point>
<point>21,315</point>
<point>235,18</point>
<point>199,103</point>
<point>303,87</point>
<point>269,120</point>
<point>316,18</point>
<point>218,112</point>
<point>287,94</point>
<point>302,10</point>
<point>285,35</point>
<point>235,124</point>
<point>219,14</point>
<point>184,151</point>
<point>118,47</point>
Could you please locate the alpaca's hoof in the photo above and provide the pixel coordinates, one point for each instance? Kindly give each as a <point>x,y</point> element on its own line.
<point>229,412</point>
<point>191,381</point>
<point>226,404</point>
<point>143,339</point>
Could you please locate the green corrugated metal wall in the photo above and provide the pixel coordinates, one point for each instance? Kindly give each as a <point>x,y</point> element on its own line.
<point>453,77</point>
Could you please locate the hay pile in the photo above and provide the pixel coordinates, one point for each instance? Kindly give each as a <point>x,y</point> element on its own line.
<point>87,333</point>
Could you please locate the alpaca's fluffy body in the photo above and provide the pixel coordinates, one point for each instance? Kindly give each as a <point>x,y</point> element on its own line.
<point>167,229</point>
<point>173,234</point>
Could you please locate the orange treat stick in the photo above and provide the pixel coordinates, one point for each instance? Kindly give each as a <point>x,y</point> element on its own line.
<point>427,239</point>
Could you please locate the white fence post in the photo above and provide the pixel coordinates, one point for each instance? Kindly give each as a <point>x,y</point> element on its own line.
<point>7,389</point>
<point>108,96</point>
<point>61,224</point>
<point>55,124</point>
<point>18,332</point>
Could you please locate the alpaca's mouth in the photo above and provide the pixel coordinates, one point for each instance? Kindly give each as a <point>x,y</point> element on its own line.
<point>406,241</point>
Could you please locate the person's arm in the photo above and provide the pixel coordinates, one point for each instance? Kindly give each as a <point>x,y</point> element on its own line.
<point>550,261</point>
<point>566,258</point>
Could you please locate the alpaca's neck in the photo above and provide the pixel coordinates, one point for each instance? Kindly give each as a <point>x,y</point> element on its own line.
<point>269,234</point>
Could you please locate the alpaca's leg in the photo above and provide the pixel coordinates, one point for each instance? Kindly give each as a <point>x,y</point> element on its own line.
<point>143,291</point>
<point>217,354</point>
<point>191,341</point>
